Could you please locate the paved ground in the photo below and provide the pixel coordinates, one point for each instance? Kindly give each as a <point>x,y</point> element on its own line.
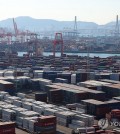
<point>19,131</point>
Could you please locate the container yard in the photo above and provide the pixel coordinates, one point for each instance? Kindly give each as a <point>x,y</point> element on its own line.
<point>58,95</point>
<point>60,75</point>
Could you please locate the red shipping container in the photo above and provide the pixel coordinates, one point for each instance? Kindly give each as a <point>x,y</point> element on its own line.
<point>100,131</point>
<point>7,128</point>
<point>90,132</point>
<point>8,131</point>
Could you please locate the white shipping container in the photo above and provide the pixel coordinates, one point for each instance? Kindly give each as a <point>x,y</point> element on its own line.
<point>27,105</point>
<point>26,123</point>
<point>38,103</point>
<point>73,79</point>
<point>28,100</point>
<point>38,109</point>
<point>29,114</point>
<point>18,110</point>
<point>19,121</point>
<point>81,110</point>
<point>31,125</point>
<point>90,119</point>
<point>73,126</point>
<point>61,119</point>
<point>1,97</point>
<point>4,93</point>
<point>21,95</point>
<point>12,98</point>
<point>50,112</point>
<point>8,73</point>
<point>79,123</point>
<point>86,129</point>
<point>17,103</point>
<point>6,96</point>
<point>82,118</point>
<point>8,115</point>
<point>7,106</point>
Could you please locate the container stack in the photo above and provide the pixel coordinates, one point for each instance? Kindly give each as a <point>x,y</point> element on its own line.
<point>7,128</point>
<point>91,94</point>
<point>7,86</point>
<point>8,115</point>
<point>43,124</point>
<point>8,73</point>
<point>18,110</point>
<point>86,130</point>
<point>21,95</point>
<point>94,83</point>
<point>38,96</point>
<point>42,83</point>
<point>35,84</point>
<point>112,90</point>
<point>73,79</point>
<point>41,96</point>
<point>46,124</point>
<point>65,75</point>
<point>73,96</point>
<point>76,124</point>
<point>64,118</point>
<point>28,114</point>
<point>55,96</point>
<point>17,103</point>
<point>115,76</point>
<point>115,114</point>
<point>27,105</point>
<point>61,80</point>
<point>38,74</point>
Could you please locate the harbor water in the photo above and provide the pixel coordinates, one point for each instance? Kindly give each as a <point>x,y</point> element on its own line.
<point>101,55</point>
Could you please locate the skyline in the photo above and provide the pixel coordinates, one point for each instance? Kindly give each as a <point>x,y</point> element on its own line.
<point>64,10</point>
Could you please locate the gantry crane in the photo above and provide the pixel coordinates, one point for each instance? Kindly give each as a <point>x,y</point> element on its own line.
<point>58,41</point>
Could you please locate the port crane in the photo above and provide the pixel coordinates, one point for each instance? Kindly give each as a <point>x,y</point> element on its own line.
<point>15,29</point>
<point>58,41</point>
<point>33,45</point>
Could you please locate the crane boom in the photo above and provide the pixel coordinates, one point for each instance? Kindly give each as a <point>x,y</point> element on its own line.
<point>15,27</point>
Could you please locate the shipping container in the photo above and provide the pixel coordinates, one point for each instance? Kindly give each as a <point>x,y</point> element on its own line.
<point>7,128</point>
<point>95,107</point>
<point>112,90</point>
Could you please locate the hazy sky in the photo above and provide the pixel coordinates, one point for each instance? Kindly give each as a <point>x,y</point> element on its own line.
<point>99,11</point>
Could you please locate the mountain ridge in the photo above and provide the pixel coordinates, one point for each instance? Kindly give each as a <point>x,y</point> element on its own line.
<point>33,24</point>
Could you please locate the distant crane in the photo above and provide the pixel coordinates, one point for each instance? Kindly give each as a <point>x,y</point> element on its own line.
<point>58,41</point>
<point>116,34</point>
<point>75,27</point>
<point>117,27</point>
<point>34,47</point>
<point>15,29</point>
